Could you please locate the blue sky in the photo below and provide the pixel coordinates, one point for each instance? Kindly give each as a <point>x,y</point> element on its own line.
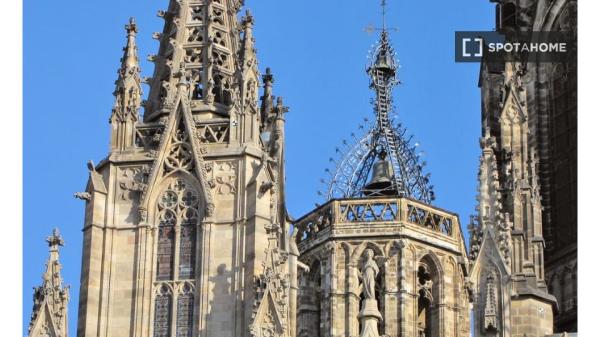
<point>317,50</point>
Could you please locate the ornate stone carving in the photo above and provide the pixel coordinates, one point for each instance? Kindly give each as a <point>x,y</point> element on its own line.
<point>266,186</point>
<point>50,300</point>
<point>369,271</point>
<point>225,177</point>
<point>132,181</point>
<point>143,214</point>
<point>325,253</point>
<point>214,133</point>
<point>272,307</point>
<point>180,156</point>
<point>369,314</point>
<point>430,219</point>
<point>83,196</point>
<point>490,321</point>
<point>425,282</point>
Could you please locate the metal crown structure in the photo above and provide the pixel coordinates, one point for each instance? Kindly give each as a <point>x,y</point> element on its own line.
<point>380,139</point>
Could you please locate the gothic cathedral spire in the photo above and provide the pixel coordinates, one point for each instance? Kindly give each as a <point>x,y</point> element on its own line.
<point>190,197</point>
<point>506,236</point>
<point>202,39</point>
<point>50,300</point>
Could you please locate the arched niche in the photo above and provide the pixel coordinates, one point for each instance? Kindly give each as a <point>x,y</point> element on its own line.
<point>310,301</point>
<point>429,286</point>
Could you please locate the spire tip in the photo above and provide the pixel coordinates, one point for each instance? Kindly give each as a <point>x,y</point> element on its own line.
<point>131,27</point>
<point>55,239</point>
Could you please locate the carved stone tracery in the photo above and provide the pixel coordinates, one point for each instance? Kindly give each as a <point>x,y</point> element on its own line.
<point>491,303</point>
<point>180,155</point>
<point>133,181</point>
<point>178,215</point>
<point>225,177</point>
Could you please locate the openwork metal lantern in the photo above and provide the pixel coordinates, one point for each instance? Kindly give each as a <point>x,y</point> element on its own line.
<point>382,143</point>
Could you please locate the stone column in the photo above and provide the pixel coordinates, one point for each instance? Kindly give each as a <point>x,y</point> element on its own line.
<point>369,317</point>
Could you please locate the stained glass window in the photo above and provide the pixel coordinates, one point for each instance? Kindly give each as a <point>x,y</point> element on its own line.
<point>185,312</point>
<point>187,247</point>
<point>176,257</point>
<point>177,207</point>
<point>162,314</point>
<point>164,270</point>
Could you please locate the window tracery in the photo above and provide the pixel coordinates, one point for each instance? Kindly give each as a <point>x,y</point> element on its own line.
<point>180,155</point>
<point>178,216</point>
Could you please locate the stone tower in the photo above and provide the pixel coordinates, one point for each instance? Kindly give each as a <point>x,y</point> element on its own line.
<point>510,296</point>
<point>185,229</point>
<point>382,261</point>
<point>552,103</point>
<point>548,97</point>
<point>51,299</point>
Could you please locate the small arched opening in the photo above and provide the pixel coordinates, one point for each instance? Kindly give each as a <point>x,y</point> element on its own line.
<point>428,303</point>
<point>310,302</point>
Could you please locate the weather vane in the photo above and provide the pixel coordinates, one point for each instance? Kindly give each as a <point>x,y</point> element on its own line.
<point>371,28</point>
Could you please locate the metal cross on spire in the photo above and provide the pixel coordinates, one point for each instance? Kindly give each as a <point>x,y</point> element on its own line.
<point>384,28</point>
<point>383,8</point>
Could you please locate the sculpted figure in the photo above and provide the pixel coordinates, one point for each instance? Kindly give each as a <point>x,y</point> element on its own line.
<point>369,273</point>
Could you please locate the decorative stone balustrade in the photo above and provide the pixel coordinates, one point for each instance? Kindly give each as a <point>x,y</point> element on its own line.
<point>383,210</point>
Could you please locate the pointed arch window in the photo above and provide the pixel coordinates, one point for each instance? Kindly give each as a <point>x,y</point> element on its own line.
<point>185,311</point>
<point>178,217</point>
<point>162,312</point>
<point>166,244</point>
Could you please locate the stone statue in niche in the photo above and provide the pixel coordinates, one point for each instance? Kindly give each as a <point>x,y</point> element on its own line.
<point>369,314</point>
<point>369,273</point>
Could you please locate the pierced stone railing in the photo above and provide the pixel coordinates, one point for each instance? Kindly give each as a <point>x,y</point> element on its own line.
<point>213,133</point>
<point>345,212</point>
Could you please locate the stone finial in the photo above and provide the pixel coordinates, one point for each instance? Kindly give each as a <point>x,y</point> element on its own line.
<point>131,27</point>
<point>130,58</point>
<point>248,20</point>
<point>128,92</point>
<point>280,109</point>
<point>268,78</point>
<point>50,300</point>
<point>267,98</point>
<point>487,141</point>
<point>55,240</point>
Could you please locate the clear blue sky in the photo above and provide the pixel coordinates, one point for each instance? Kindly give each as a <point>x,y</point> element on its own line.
<point>317,50</point>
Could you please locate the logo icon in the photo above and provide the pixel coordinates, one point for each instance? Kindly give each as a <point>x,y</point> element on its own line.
<point>466,41</point>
